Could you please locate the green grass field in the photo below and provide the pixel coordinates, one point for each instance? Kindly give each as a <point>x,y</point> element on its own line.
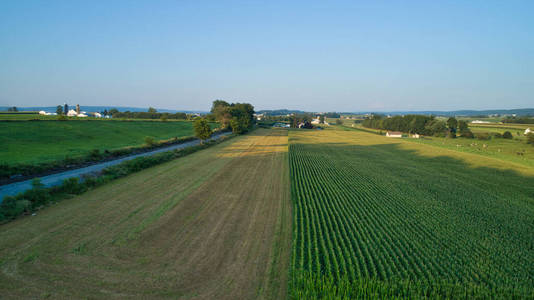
<point>44,141</point>
<point>380,218</point>
<point>515,150</point>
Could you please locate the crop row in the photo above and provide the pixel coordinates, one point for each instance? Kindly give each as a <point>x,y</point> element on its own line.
<point>359,214</point>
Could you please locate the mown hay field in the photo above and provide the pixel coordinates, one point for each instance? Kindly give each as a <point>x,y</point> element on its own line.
<point>379,218</point>
<point>44,141</point>
<point>212,225</point>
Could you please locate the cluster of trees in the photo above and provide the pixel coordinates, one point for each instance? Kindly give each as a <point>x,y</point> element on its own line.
<point>306,119</point>
<point>519,120</point>
<point>13,109</point>
<point>239,117</point>
<point>420,124</point>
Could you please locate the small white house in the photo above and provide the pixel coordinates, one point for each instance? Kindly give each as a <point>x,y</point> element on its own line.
<point>527,131</point>
<point>315,121</point>
<point>416,136</point>
<point>394,134</point>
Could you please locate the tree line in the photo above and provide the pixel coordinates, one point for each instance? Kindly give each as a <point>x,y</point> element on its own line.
<point>420,124</point>
<point>519,120</point>
<point>238,117</point>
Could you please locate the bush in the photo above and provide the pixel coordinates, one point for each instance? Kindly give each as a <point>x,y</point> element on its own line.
<point>497,135</point>
<point>72,186</point>
<point>467,134</point>
<point>149,141</point>
<point>507,135</point>
<point>11,207</point>
<point>339,122</point>
<point>95,154</point>
<point>483,136</point>
<point>451,135</point>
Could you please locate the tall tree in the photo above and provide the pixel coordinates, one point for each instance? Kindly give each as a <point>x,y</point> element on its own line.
<point>152,110</point>
<point>202,129</point>
<point>219,109</point>
<point>452,123</point>
<point>59,110</point>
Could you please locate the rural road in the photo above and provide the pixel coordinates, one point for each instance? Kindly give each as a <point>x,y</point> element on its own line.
<point>57,178</point>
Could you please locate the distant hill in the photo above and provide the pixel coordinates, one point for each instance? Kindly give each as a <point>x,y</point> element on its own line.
<point>464,113</point>
<point>279,112</point>
<point>100,108</point>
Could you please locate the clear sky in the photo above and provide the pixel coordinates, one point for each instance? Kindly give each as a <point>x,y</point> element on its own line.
<point>319,56</point>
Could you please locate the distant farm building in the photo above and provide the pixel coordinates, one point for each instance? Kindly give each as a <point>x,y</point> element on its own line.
<point>415,136</point>
<point>394,134</point>
<point>281,125</point>
<point>479,122</point>
<point>527,131</point>
<point>44,113</point>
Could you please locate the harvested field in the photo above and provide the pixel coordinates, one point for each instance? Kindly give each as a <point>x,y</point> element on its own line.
<point>213,225</point>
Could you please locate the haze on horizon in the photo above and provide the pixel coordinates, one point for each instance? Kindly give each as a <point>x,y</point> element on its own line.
<point>309,55</point>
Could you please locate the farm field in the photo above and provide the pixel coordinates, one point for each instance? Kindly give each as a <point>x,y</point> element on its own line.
<point>45,141</point>
<point>24,116</point>
<point>498,148</point>
<point>213,225</point>
<point>376,217</point>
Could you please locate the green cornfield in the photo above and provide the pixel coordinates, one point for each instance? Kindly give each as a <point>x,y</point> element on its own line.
<point>375,219</point>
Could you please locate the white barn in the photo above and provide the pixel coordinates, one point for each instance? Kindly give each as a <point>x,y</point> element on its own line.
<point>394,134</point>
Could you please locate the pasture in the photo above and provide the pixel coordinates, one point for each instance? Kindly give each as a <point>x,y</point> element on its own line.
<point>515,150</point>
<point>212,225</point>
<point>31,142</point>
<point>379,218</point>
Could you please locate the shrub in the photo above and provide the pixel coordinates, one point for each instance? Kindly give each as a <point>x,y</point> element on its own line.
<point>95,154</point>
<point>339,122</point>
<point>451,135</point>
<point>467,134</point>
<point>507,135</point>
<point>11,207</point>
<point>497,135</point>
<point>150,141</point>
<point>72,186</point>
<point>483,136</point>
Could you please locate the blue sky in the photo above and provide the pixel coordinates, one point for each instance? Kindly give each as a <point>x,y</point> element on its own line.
<point>320,56</point>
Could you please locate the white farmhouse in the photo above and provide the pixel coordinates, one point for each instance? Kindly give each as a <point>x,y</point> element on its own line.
<point>394,134</point>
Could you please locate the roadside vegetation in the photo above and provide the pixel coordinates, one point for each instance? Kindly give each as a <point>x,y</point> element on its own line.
<point>39,196</point>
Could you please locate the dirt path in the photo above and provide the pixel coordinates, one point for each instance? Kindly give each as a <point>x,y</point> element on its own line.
<point>216,225</point>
